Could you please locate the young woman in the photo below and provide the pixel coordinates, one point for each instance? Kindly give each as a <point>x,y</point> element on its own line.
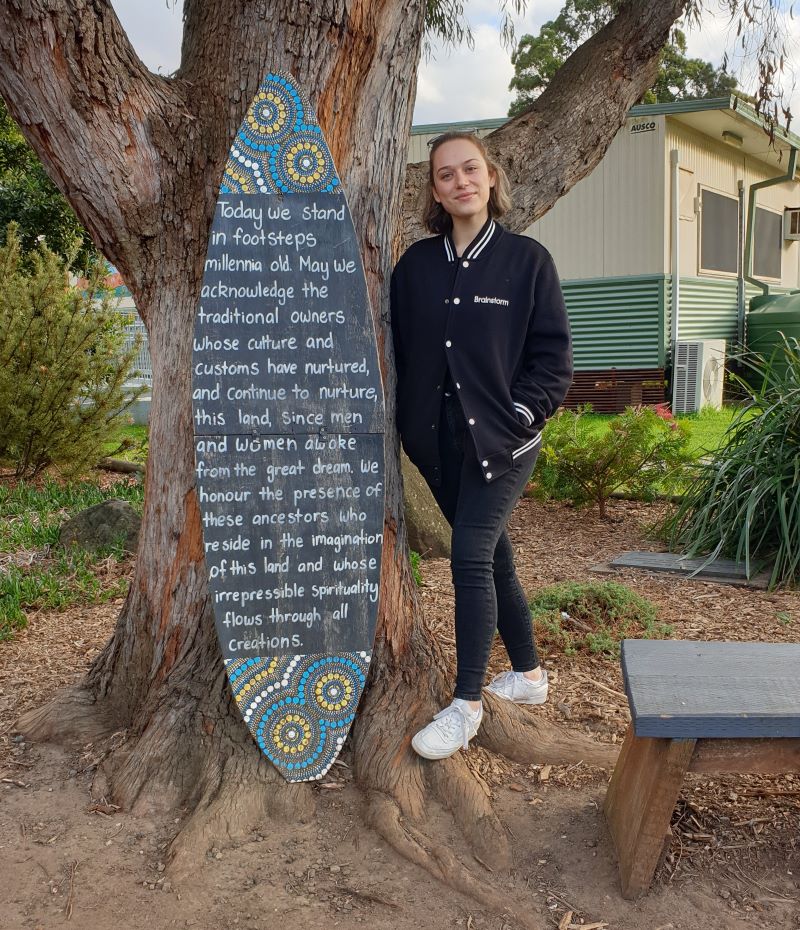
<point>483,355</point>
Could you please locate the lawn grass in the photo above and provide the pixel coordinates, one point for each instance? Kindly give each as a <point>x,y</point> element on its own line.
<point>30,517</point>
<point>706,429</point>
<point>129,443</point>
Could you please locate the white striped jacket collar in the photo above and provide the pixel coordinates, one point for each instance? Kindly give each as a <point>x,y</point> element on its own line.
<point>476,247</point>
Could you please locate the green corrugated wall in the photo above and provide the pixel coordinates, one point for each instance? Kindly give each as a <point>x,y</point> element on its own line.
<point>626,322</point>
<point>708,308</point>
<point>617,322</point>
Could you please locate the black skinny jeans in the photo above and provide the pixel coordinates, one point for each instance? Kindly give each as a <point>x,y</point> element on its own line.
<point>488,593</point>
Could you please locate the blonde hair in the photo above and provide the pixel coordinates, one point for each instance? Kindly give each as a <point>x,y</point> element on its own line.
<point>434,216</point>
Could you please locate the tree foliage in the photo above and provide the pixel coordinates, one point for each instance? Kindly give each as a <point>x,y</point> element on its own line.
<point>537,58</point>
<point>62,365</point>
<point>30,199</point>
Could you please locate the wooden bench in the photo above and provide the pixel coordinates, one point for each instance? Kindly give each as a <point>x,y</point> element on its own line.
<point>695,707</point>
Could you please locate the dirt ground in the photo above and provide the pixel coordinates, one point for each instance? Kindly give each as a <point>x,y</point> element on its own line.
<point>70,860</point>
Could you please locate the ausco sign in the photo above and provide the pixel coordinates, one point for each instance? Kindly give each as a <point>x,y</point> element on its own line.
<point>644,127</point>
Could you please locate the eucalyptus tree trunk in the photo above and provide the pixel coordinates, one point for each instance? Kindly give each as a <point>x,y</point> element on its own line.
<point>140,158</point>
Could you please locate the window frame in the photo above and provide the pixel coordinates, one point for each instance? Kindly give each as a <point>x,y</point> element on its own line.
<point>755,274</point>
<point>716,272</point>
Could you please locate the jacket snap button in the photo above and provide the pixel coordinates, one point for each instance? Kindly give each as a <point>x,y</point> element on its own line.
<point>466,264</point>
<point>458,385</point>
<point>447,300</point>
<point>471,421</point>
<point>448,343</point>
<point>488,476</point>
<point>484,463</point>
<point>456,300</point>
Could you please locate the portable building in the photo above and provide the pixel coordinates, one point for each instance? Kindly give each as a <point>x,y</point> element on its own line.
<point>650,246</point>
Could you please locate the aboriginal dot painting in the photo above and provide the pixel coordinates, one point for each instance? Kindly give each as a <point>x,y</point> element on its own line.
<point>299,709</point>
<point>297,700</point>
<point>279,147</point>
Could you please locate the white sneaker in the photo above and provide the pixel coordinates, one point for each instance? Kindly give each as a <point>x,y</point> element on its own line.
<point>514,686</point>
<point>450,730</point>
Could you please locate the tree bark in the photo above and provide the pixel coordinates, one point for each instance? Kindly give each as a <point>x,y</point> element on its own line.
<point>140,158</point>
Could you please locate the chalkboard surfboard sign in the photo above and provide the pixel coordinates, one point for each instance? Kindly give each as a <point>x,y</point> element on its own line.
<point>288,421</point>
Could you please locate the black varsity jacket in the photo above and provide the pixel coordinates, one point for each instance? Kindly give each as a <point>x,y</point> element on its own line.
<point>496,318</point>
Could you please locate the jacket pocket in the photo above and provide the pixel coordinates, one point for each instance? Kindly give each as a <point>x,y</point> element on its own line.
<point>529,444</point>
<point>524,414</point>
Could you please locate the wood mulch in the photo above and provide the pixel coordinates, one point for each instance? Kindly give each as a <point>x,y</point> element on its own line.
<point>721,826</point>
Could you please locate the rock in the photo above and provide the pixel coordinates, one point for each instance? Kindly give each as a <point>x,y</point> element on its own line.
<point>106,524</point>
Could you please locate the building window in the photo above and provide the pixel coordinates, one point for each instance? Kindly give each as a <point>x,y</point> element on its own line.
<point>719,233</point>
<point>767,244</point>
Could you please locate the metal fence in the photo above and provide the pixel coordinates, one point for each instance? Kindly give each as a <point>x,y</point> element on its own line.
<point>142,369</point>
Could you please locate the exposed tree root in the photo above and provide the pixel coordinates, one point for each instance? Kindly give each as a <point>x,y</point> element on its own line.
<point>74,717</point>
<point>237,798</point>
<point>399,785</point>
<point>518,734</point>
<point>461,792</point>
<point>219,775</point>
<point>384,816</point>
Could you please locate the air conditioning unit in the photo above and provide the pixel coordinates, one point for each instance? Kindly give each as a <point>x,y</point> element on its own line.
<point>697,375</point>
<point>791,223</point>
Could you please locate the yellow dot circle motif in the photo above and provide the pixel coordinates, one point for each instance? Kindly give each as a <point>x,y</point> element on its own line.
<point>333,691</point>
<point>305,163</point>
<point>291,734</point>
<point>278,108</point>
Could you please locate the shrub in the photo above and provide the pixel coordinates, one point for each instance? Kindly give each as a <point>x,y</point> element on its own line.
<point>640,452</point>
<point>416,561</point>
<point>593,616</point>
<point>744,501</point>
<point>62,368</point>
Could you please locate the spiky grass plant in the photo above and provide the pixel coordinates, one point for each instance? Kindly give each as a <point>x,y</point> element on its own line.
<point>744,501</point>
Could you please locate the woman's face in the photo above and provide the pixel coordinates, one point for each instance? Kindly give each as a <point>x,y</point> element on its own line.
<point>461,179</point>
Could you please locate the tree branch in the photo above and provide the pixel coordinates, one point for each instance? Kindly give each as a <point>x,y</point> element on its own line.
<point>86,102</point>
<point>565,134</point>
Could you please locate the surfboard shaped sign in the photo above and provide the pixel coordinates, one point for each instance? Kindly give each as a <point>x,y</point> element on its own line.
<point>288,422</point>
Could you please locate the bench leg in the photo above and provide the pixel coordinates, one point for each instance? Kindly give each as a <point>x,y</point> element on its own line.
<point>639,804</point>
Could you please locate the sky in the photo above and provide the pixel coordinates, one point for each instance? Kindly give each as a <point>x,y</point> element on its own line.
<point>454,84</point>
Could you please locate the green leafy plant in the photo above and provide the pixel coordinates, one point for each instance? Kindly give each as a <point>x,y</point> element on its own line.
<point>32,201</point>
<point>34,572</point>
<point>31,514</point>
<point>593,617</point>
<point>416,561</point>
<point>62,365</point>
<point>641,452</point>
<point>68,577</point>
<point>744,500</point>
